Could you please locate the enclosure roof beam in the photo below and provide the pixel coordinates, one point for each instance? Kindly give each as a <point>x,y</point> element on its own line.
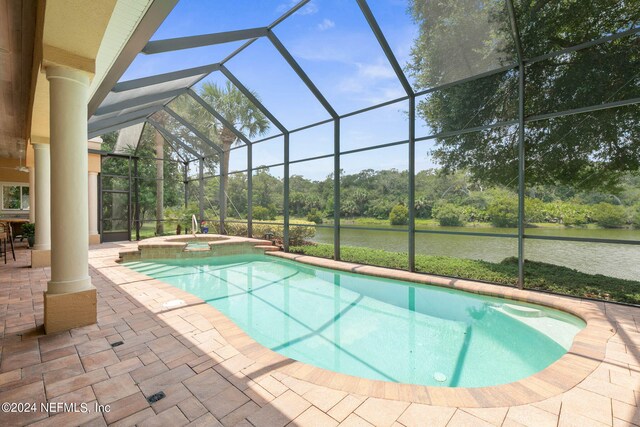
<point>118,126</point>
<point>183,158</point>
<point>180,43</point>
<point>168,140</point>
<point>251,35</point>
<point>135,152</point>
<point>247,93</point>
<point>156,13</point>
<point>582,110</point>
<point>288,13</point>
<point>165,77</point>
<point>515,32</point>
<point>218,116</point>
<point>300,72</point>
<point>193,129</point>
<point>585,45</point>
<point>125,118</point>
<point>167,135</point>
<point>382,41</point>
<point>138,101</point>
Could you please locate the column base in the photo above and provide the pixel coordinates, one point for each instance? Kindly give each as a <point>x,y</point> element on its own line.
<point>94,239</point>
<point>72,310</point>
<point>40,258</point>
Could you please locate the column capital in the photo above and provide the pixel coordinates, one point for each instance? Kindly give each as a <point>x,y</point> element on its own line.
<point>54,57</point>
<point>39,141</point>
<point>93,173</point>
<point>70,74</point>
<point>41,147</point>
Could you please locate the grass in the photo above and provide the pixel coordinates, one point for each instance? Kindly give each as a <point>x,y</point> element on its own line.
<point>539,275</point>
<point>148,229</point>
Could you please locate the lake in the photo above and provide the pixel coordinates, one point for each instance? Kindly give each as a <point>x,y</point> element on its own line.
<point>615,260</point>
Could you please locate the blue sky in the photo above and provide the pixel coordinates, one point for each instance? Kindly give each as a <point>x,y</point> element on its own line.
<point>332,42</point>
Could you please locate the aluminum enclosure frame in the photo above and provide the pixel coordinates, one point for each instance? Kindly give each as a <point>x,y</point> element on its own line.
<point>252,34</point>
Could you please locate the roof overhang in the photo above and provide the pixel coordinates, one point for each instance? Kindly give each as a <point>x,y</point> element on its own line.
<point>101,38</point>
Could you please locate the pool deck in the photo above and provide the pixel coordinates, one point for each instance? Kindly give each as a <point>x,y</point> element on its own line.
<point>213,374</point>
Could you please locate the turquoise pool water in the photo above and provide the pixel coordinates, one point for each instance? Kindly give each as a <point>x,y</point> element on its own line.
<point>375,328</point>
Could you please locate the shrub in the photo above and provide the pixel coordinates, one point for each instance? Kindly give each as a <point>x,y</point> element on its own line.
<point>28,229</point>
<point>635,218</point>
<point>380,210</point>
<point>424,208</point>
<point>315,216</point>
<point>297,233</point>
<point>534,210</point>
<point>575,218</point>
<point>449,215</point>
<point>472,213</point>
<point>574,214</point>
<point>567,213</point>
<point>263,214</point>
<point>503,212</point>
<point>609,216</point>
<point>399,215</point>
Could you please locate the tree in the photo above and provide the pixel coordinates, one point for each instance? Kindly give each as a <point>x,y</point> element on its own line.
<point>268,191</point>
<point>468,37</point>
<point>159,145</point>
<point>236,108</point>
<point>172,178</point>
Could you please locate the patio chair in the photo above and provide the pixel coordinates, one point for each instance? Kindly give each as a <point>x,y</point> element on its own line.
<point>6,234</point>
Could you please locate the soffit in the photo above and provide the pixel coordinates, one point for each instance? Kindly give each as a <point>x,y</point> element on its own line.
<point>95,31</point>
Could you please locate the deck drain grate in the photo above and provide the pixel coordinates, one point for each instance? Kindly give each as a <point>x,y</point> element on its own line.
<point>155,397</point>
<point>117,343</point>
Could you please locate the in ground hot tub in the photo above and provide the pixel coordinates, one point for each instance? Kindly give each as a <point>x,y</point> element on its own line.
<point>196,246</point>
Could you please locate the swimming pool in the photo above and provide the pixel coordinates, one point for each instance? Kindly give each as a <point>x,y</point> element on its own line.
<point>375,328</point>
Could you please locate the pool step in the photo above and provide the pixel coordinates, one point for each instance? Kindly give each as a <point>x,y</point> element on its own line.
<point>522,311</point>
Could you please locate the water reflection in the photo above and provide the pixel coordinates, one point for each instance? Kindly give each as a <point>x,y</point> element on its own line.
<point>608,259</point>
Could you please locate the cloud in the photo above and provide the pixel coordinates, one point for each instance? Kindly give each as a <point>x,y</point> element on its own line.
<point>376,71</point>
<point>367,76</point>
<point>326,24</point>
<point>371,82</point>
<point>308,9</point>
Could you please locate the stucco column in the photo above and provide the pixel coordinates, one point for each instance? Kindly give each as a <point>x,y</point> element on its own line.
<point>94,237</point>
<point>43,201</point>
<point>32,195</point>
<point>70,300</point>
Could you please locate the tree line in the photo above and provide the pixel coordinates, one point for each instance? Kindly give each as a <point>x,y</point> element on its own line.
<point>449,199</point>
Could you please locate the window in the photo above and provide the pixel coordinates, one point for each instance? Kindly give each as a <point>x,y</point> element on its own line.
<point>15,197</point>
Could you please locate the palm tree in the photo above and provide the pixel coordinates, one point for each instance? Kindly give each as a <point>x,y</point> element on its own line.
<point>236,108</point>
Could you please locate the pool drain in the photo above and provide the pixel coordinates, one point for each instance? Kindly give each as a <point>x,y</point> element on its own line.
<point>440,377</point>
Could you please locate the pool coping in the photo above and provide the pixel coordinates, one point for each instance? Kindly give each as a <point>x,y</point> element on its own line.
<point>584,356</point>
<point>176,246</point>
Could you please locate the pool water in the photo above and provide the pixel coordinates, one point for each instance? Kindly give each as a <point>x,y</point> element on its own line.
<point>375,328</point>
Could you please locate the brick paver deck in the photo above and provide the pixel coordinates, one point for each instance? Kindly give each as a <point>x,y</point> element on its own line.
<point>213,375</point>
